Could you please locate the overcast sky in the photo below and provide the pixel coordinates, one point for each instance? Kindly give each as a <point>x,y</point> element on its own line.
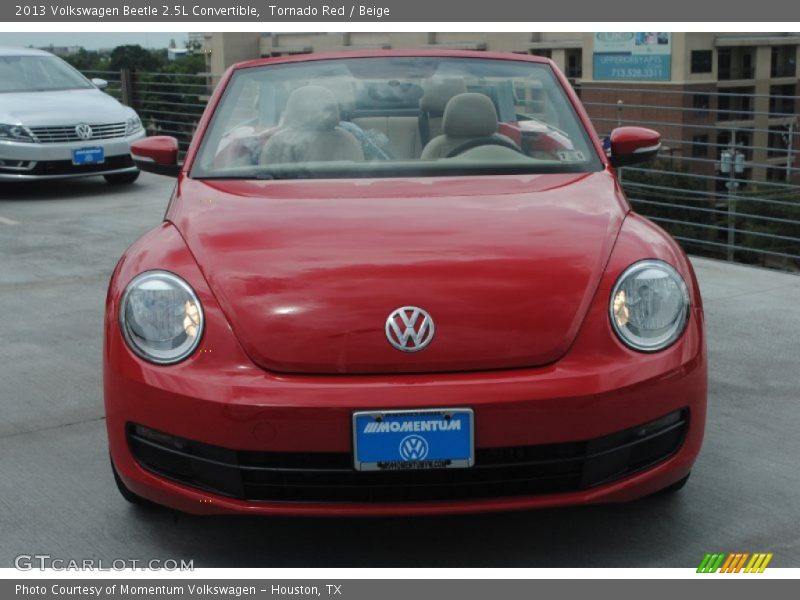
<point>92,41</point>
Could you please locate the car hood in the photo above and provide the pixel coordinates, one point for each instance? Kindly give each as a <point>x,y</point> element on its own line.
<point>307,272</point>
<point>62,107</point>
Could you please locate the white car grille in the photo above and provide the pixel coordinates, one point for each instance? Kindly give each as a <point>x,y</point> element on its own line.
<point>67,133</point>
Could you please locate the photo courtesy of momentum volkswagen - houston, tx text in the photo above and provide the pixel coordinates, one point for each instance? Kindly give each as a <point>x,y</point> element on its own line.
<point>401,282</point>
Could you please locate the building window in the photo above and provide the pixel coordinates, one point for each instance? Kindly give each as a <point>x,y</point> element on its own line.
<point>574,63</point>
<point>779,142</point>
<point>724,108</point>
<point>748,71</point>
<point>701,61</point>
<point>784,61</point>
<point>700,146</point>
<point>735,104</point>
<point>701,103</point>
<point>735,63</point>
<point>782,100</point>
<point>724,64</point>
<point>544,52</point>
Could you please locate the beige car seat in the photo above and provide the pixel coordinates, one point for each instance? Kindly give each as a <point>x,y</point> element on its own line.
<point>311,131</point>
<point>467,117</point>
<point>437,93</point>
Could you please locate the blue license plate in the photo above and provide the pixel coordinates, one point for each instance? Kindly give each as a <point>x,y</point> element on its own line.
<point>424,439</point>
<point>88,156</point>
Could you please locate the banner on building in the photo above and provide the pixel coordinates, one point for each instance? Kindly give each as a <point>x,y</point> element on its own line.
<point>641,56</point>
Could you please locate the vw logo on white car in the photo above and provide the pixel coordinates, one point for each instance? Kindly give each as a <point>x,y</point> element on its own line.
<point>413,447</point>
<point>409,329</point>
<point>83,131</point>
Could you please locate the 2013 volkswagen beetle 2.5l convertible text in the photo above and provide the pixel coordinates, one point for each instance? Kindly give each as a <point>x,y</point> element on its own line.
<point>401,282</point>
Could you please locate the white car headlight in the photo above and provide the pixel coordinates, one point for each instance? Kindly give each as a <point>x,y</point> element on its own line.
<point>133,125</point>
<point>16,133</point>
<point>649,306</point>
<point>161,317</point>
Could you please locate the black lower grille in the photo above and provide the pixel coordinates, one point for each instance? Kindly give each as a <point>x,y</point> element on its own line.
<point>65,167</point>
<point>330,477</point>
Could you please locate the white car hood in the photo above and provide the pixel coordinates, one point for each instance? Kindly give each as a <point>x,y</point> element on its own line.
<point>62,107</point>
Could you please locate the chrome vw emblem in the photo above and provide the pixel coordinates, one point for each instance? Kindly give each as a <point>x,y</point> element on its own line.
<point>83,131</point>
<point>409,329</point>
<point>413,447</point>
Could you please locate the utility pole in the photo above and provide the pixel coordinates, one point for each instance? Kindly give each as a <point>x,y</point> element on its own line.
<point>731,163</point>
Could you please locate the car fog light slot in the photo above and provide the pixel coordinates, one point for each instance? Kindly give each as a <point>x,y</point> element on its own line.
<point>649,306</point>
<point>161,317</point>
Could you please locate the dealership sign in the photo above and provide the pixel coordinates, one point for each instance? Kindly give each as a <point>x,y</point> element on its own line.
<point>638,56</point>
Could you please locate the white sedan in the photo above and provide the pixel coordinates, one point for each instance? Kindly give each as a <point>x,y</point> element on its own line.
<point>56,124</point>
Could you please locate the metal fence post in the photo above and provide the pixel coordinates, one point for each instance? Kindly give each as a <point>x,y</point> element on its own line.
<point>789,144</point>
<point>733,167</point>
<point>126,87</point>
<point>732,185</point>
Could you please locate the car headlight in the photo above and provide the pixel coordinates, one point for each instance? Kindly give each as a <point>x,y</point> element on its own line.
<point>161,317</point>
<point>649,306</point>
<point>133,125</point>
<point>17,133</point>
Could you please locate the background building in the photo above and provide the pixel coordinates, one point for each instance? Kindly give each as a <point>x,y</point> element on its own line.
<point>61,50</point>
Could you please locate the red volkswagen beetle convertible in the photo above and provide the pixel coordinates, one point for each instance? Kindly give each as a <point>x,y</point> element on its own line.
<point>401,283</point>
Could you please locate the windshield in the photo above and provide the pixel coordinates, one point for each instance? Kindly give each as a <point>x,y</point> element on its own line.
<point>38,74</point>
<point>394,117</point>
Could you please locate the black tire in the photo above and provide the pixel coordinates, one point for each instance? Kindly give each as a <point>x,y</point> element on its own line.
<point>126,493</point>
<point>675,487</point>
<point>122,178</point>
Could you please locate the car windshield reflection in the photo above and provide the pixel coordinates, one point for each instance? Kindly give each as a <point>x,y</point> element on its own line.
<point>394,117</point>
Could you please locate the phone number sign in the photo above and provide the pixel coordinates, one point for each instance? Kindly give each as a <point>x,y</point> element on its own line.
<point>632,67</point>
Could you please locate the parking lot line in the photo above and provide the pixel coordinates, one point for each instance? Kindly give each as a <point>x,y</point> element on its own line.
<point>5,221</point>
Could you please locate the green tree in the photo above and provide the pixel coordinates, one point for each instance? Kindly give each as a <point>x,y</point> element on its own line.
<point>136,58</point>
<point>87,60</point>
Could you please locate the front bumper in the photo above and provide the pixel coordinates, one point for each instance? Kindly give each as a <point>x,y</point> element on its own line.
<point>325,477</point>
<point>239,421</point>
<point>42,161</point>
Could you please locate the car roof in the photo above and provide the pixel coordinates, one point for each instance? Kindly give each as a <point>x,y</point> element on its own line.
<point>23,52</point>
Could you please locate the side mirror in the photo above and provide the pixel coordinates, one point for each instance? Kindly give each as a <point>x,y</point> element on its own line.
<point>100,84</point>
<point>631,145</point>
<point>157,154</point>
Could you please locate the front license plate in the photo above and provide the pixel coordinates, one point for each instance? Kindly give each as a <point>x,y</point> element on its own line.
<point>88,156</point>
<point>423,439</point>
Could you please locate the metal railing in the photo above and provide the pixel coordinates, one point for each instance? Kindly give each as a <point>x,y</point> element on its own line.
<point>168,103</point>
<point>114,79</point>
<point>748,213</point>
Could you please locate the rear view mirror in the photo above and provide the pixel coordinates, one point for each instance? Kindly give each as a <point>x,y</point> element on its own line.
<point>157,154</point>
<point>100,84</point>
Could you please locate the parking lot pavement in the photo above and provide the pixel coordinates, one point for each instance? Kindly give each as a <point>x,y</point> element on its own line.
<point>58,245</point>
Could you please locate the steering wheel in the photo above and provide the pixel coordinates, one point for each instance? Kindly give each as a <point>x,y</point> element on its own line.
<point>484,141</point>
